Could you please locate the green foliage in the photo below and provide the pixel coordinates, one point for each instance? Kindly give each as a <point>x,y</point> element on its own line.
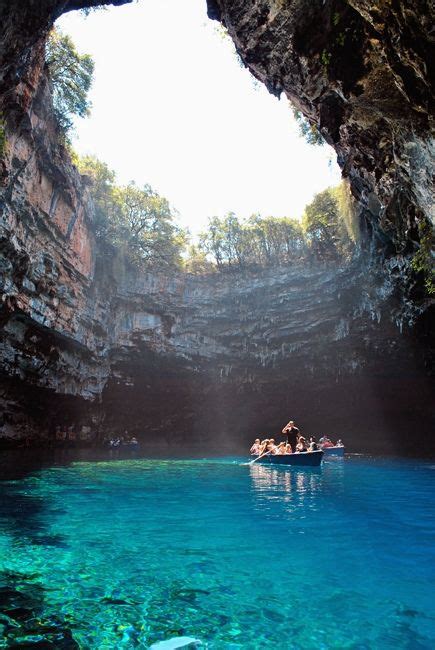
<point>196,261</point>
<point>328,232</point>
<point>89,10</point>
<point>140,223</point>
<point>327,229</point>
<point>325,58</point>
<point>145,223</point>
<point>423,260</point>
<point>103,191</point>
<point>348,221</point>
<point>341,39</point>
<point>257,241</point>
<point>307,130</point>
<point>137,221</point>
<point>2,137</point>
<point>71,75</point>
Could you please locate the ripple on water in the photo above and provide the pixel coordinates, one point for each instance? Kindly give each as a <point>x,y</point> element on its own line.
<point>125,554</point>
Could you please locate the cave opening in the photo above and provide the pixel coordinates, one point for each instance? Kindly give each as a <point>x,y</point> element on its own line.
<point>138,361</point>
<point>213,356</point>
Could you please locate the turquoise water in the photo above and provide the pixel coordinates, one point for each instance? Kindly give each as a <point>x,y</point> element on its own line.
<point>125,553</point>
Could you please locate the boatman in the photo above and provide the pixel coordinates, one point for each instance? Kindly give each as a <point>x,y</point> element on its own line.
<point>292,433</point>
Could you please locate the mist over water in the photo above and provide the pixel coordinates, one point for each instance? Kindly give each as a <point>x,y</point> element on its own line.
<point>125,553</point>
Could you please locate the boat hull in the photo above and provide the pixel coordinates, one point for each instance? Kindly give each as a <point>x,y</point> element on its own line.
<point>303,459</point>
<point>333,451</point>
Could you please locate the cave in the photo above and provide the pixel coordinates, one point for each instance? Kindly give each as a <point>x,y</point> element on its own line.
<point>195,363</point>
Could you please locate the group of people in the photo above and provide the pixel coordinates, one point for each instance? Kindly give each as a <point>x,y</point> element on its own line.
<point>122,441</point>
<point>326,442</point>
<point>294,443</point>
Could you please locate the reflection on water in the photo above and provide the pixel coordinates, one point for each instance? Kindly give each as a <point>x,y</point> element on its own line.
<point>291,489</point>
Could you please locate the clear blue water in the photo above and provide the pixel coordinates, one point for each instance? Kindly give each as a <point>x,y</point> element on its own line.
<point>122,554</point>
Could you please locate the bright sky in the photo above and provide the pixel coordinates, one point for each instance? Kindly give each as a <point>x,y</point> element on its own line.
<point>173,108</point>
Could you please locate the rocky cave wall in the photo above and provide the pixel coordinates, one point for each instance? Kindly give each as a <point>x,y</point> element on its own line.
<point>212,360</point>
<point>363,72</point>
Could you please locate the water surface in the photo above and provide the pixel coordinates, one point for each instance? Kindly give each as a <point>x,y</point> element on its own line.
<point>125,553</point>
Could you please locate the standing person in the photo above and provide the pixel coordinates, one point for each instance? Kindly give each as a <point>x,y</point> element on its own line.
<point>292,433</point>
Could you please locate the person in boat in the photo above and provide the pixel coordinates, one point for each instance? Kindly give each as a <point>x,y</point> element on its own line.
<point>327,442</point>
<point>292,433</point>
<point>271,447</point>
<point>281,448</point>
<point>339,443</point>
<point>288,449</point>
<point>301,445</point>
<point>255,449</point>
<point>263,446</point>
<point>313,446</point>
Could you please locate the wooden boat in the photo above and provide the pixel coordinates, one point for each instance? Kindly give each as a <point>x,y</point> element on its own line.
<point>302,459</point>
<point>333,451</point>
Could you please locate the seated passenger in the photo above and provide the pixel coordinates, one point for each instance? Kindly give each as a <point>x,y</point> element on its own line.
<point>288,449</point>
<point>327,442</point>
<point>339,443</point>
<point>313,446</point>
<point>301,446</point>
<point>263,446</point>
<point>271,447</point>
<point>281,448</point>
<point>255,449</point>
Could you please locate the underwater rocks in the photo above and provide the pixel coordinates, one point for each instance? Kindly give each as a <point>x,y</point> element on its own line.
<point>23,623</point>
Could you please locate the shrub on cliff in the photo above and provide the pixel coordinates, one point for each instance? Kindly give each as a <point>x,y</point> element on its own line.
<point>71,75</point>
<point>103,190</point>
<point>2,137</point>
<point>423,261</point>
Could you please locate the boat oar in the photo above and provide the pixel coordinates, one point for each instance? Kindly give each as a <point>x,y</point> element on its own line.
<point>255,459</point>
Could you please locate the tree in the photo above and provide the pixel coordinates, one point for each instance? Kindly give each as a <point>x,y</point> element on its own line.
<point>196,261</point>
<point>257,241</point>
<point>104,192</point>
<point>137,221</point>
<point>347,211</point>
<point>212,241</point>
<point>143,225</point>
<point>307,130</point>
<point>325,227</point>
<point>71,75</point>
<point>279,240</point>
